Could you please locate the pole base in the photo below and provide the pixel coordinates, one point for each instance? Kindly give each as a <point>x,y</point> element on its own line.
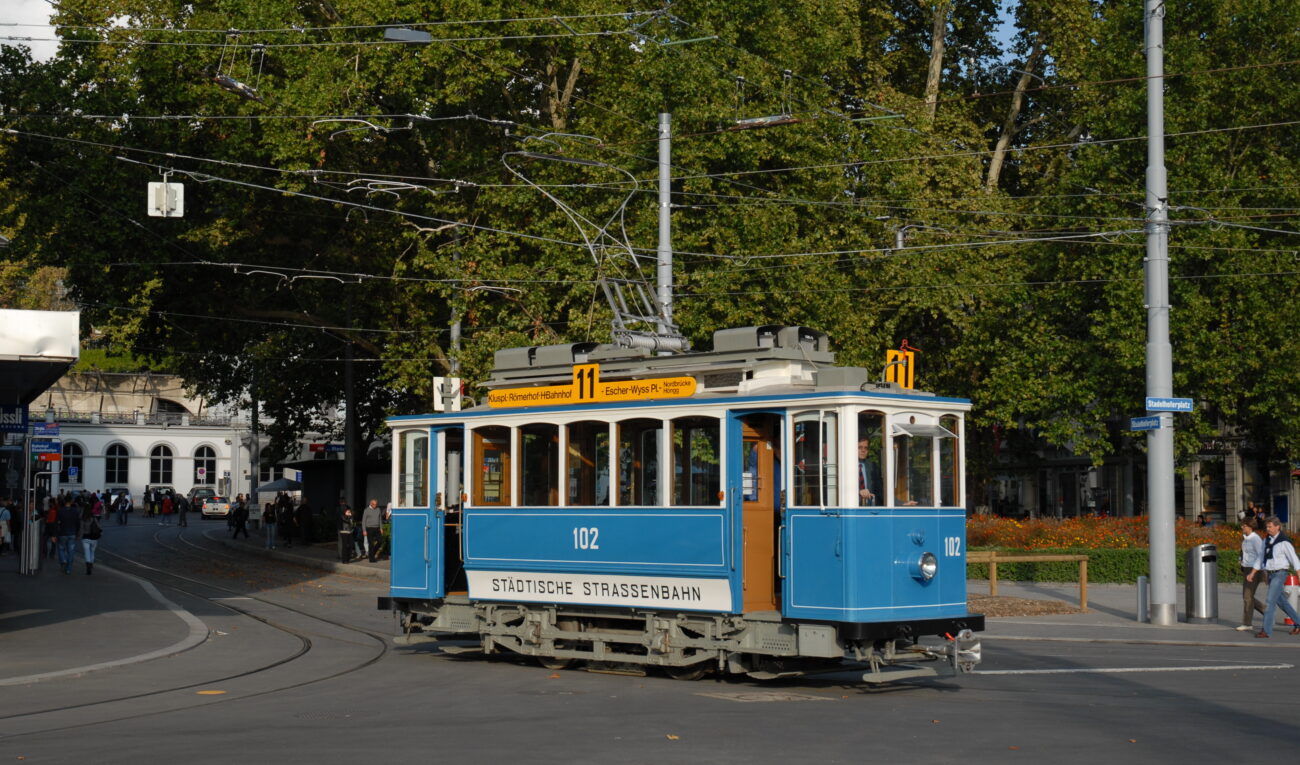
<point>1164,614</point>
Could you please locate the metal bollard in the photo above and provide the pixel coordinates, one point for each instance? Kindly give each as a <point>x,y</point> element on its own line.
<point>1144,599</point>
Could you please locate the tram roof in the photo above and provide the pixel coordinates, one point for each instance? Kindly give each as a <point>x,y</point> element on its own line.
<point>896,398</point>
<point>748,366</point>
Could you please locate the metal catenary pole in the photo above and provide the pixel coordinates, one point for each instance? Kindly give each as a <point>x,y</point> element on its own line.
<point>1160,442</point>
<point>665,266</point>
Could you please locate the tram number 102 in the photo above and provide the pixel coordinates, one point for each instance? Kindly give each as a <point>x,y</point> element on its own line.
<point>585,538</point>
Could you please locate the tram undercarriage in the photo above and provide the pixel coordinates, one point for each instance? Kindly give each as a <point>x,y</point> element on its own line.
<point>690,645</point>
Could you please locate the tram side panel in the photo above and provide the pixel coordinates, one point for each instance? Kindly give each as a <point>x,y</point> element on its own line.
<point>857,565</point>
<point>663,558</point>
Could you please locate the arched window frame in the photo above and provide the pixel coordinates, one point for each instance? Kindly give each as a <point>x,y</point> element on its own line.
<point>161,462</point>
<point>74,455</point>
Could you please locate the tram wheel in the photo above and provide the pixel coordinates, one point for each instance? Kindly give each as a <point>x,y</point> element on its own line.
<point>553,663</point>
<point>689,672</point>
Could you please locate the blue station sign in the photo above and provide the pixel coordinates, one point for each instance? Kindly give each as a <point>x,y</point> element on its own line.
<point>1163,404</point>
<point>45,429</point>
<point>46,446</point>
<point>1144,423</point>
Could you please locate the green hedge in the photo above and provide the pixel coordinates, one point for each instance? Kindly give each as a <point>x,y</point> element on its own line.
<point>1104,566</point>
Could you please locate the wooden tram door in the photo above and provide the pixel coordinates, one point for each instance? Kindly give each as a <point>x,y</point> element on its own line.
<point>760,514</point>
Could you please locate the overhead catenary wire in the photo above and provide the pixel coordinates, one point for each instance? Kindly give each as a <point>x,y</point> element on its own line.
<point>306,29</point>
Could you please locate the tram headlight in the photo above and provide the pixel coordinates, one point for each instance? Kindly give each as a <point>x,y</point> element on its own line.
<point>925,567</point>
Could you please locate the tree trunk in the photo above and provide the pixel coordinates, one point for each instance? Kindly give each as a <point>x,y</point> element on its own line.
<point>1009,128</point>
<point>935,72</point>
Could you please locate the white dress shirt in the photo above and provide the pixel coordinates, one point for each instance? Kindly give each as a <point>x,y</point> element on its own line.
<point>1252,551</point>
<point>1283,558</point>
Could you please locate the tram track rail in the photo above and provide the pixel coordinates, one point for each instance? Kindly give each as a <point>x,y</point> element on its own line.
<point>194,587</point>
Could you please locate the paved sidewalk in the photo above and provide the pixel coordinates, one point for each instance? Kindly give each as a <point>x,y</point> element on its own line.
<point>1111,616</point>
<point>321,555</point>
<point>55,624</point>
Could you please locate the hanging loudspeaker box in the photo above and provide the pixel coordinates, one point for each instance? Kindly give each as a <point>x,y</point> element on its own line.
<point>166,200</point>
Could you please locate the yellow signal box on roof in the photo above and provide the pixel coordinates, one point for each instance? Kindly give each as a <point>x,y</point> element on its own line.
<point>588,388</point>
<point>900,367</point>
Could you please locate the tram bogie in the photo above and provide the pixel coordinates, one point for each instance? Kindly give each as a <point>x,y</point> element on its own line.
<point>748,510</point>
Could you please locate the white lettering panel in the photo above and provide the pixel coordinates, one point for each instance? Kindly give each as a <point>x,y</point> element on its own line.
<point>602,590</point>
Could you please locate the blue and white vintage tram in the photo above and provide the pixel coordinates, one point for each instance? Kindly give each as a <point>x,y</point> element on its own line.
<point>750,509</point>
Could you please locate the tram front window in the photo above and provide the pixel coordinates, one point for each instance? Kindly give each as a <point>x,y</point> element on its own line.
<point>816,468</point>
<point>638,462</point>
<point>588,464</point>
<point>915,461</point>
<point>697,461</point>
<point>949,475</point>
<point>414,459</point>
<point>869,479</point>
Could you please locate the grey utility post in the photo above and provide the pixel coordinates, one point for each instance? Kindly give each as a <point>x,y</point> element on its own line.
<point>1160,442</point>
<point>665,268</point>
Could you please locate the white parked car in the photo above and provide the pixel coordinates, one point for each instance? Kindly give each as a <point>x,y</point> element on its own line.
<point>216,507</point>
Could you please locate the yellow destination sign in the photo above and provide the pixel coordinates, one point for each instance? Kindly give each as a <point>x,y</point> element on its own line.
<point>587,388</point>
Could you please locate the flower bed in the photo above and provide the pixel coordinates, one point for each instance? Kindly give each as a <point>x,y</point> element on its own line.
<point>1117,548</point>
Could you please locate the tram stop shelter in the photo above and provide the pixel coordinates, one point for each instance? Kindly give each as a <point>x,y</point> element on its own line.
<point>36,349</point>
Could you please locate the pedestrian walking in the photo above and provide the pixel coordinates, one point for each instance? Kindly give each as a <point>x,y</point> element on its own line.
<point>50,542</point>
<point>182,510</point>
<point>284,519</point>
<point>371,520</point>
<point>1279,558</point>
<point>268,523</point>
<point>6,531</point>
<point>69,526</point>
<point>123,506</point>
<point>167,507</point>
<point>241,518</point>
<point>349,547</point>
<point>91,531</point>
<point>1252,557</point>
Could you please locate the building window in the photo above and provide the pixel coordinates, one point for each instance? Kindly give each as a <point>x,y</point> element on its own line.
<point>160,465</point>
<point>205,466</point>
<point>71,469</point>
<point>116,465</point>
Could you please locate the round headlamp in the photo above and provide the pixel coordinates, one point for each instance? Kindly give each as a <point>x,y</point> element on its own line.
<point>925,567</point>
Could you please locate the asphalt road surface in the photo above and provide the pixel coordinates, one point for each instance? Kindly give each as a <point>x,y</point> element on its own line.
<point>298,666</point>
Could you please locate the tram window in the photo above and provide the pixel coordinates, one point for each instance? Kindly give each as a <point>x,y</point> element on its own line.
<point>588,464</point>
<point>816,466</point>
<point>949,475</point>
<point>638,462</point>
<point>869,484</point>
<point>492,460</point>
<point>913,470</point>
<point>697,461</point>
<point>413,484</point>
<point>539,475</point>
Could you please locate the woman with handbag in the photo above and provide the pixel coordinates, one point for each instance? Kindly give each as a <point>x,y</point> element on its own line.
<point>91,531</point>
